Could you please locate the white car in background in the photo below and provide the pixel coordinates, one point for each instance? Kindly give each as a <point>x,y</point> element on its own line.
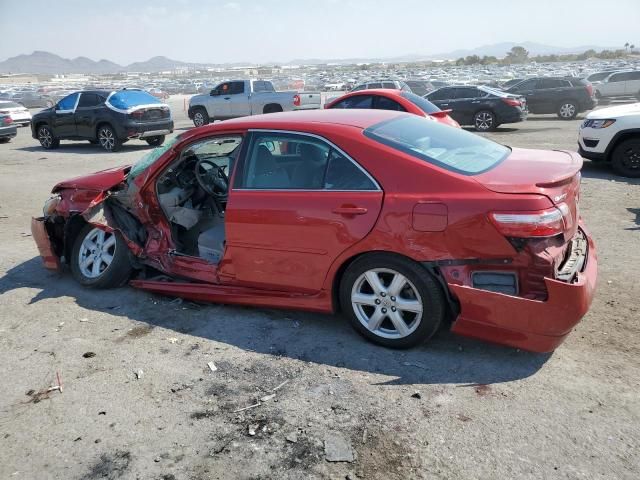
<point>619,85</point>
<point>613,135</point>
<point>19,114</point>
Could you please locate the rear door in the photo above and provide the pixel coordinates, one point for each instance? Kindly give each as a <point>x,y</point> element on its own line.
<point>632,85</point>
<point>85,114</point>
<point>285,227</point>
<point>615,84</point>
<point>468,100</point>
<point>442,98</point>
<point>529,90</point>
<point>238,97</point>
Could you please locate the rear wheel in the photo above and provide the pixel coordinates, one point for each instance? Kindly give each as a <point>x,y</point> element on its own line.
<point>272,108</point>
<point>200,117</point>
<point>108,139</point>
<point>625,158</point>
<point>484,121</point>
<point>155,141</point>
<point>391,300</point>
<point>100,259</point>
<point>5,139</point>
<point>567,110</point>
<point>46,138</point>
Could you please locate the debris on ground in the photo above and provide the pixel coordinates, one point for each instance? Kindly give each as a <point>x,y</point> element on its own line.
<point>247,408</point>
<point>172,340</point>
<point>266,398</point>
<point>337,448</point>
<point>139,374</point>
<point>89,354</point>
<point>212,366</point>
<point>280,386</point>
<point>292,437</point>
<point>416,394</point>
<point>83,320</point>
<point>176,301</point>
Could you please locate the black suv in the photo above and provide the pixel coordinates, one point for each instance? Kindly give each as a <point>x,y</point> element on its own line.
<point>104,117</point>
<point>483,107</point>
<point>564,96</point>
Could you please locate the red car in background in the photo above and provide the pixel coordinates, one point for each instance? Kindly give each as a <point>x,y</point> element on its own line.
<point>390,99</point>
<point>402,223</point>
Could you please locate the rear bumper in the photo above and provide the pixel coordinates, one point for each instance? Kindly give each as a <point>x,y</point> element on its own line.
<point>147,129</point>
<point>8,132</point>
<point>513,117</point>
<point>538,326</point>
<point>41,237</point>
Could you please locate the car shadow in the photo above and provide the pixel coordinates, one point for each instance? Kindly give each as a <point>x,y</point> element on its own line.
<point>636,212</point>
<point>86,148</point>
<point>317,338</point>
<point>603,171</point>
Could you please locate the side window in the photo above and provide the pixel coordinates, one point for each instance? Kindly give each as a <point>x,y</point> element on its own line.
<point>384,103</point>
<point>68,103</point>
<point>634,75</point>
<point>236,88</point>
<point>389,85</point>
<point>525,85</point>
<point>262,86</point>
<point>219,150</point>
<point>441,94</point>
<point>89,100</point>
<point>343,174</point>
<point>359,87</point>
<point>357,101</point>
<point>270,166</point>
<point>618,77</point>
<point>466,92</point>
<point>374,85</point>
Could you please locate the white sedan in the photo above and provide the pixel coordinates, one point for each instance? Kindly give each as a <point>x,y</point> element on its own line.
<point>19,114</point>
<point>613,135</point>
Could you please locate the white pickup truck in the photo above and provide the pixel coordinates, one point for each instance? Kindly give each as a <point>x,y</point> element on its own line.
<point>241,98</point>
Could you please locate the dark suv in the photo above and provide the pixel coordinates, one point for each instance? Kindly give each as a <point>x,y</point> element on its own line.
<point>564,96</point>
<point>104,117</point>
<point>483,107</point>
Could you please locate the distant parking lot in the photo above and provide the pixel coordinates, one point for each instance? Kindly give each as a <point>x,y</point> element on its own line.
<point>140,401</point>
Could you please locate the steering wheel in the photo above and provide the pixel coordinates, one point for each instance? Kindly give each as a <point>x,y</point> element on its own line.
<point>212,180</point>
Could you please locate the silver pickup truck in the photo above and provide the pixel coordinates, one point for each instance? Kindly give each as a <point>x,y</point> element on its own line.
<point>241,98</point>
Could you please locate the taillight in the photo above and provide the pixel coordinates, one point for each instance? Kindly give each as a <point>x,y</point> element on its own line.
<point>512,101</point>
<point>138,114</point>
<point>296,100</point>
<point>543,223</point>
<point>589,88</point>
<point>7,121</point>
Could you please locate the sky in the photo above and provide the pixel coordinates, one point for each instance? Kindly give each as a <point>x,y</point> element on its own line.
<point>224,31</point>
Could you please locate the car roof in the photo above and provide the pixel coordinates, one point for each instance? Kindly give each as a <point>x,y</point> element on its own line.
<point>309,118</point>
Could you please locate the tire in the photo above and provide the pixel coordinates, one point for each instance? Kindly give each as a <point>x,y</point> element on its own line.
<point>484,121</point>
<point>108,139</point>
<point>46,138</point>
<point>200,117</point>
<point>108,274</point>
<point>567,110</point>
<point>396,327</point>
<point>272,108</point>
<point>625,158</point>
<point>5,139</point>
<point>155,141</point>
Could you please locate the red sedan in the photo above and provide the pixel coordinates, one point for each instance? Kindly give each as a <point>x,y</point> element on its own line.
<point>402,223</point>
<point>390,99</point>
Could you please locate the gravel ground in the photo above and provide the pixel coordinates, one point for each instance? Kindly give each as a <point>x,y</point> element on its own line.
<point>454,408</point>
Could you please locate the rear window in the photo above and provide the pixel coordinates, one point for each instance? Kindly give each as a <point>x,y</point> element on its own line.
<point>422,103</point>
<point>126,99</point>
<point>450,148</point>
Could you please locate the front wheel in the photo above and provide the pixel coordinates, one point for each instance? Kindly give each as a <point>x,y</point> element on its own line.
<point>100,259</point>
<point>567,110</point>
<point>484,121</point>
<point>200,117</point>
<point>391,301</point>
<point>626,158</point>
<point>155,141</point>
<point>108,139</point>
<point>46,138</point>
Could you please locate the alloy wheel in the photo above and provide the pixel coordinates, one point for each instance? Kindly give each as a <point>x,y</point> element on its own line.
<point>96,253</point>
<point>106,139</point>
<point>567,110</point>
<point>45,137</point>
<point>484,121</point>
<point>386,303</point>
<point>198,119</point>
<point>631,158</point>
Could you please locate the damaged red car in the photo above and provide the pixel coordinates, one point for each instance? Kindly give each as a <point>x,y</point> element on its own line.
<point>401,223</point>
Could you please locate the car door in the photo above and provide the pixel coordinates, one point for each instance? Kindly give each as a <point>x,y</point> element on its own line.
<point>85,114</point>
<point>615,85</point>
<point>466,102</point>
<point>529,90</point>
<point>441,97</point>
<point>239,99</point>
<point>286,227</point>
<point>221,101</point>
<point>63,120</point>
<point>632,85</point>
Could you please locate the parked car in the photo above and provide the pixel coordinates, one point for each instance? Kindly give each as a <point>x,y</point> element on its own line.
<point>19,114</point>
<point>398,100</point>
<point>420,87</point>
<point>613,135</point>
<point>483,107</point>
<point>241,98</point>
<point>31,99</point>
<point>599,76</point>
<point>511,83</point>
<point>107,118</point>
<point>619,85</point>
<point>564,96</point>
<point>393,84</point>
<point>156,92</point>
<point>417,223</point>
<point>8,129</point>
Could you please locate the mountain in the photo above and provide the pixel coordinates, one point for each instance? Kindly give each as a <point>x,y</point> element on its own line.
<point>155,64</point>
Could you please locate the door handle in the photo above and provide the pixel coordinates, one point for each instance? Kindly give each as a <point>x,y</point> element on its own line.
<point>350,210</point>
<point>227,98</point>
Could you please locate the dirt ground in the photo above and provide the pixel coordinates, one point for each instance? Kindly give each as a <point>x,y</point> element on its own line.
<point>451,409</point>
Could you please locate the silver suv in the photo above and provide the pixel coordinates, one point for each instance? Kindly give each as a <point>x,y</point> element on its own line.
<point>394,84</point>
<point>619,84</point>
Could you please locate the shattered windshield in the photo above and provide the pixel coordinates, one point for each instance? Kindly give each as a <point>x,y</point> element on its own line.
<point>150,158</point>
